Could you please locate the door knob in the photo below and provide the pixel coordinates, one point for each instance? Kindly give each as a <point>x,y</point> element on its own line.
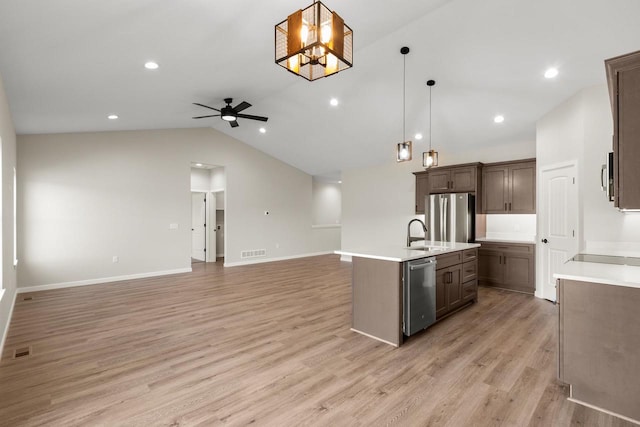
<point>545,241</point>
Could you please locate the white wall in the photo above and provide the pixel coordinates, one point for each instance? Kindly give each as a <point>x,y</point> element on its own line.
<point>218,179</point>
<point>580,129</point>
<point>326,215</point>
<point>88,196</point>
<point>379,201</point>
<point>200,179</point>
<point>8,137</point>
<point>327,202</point>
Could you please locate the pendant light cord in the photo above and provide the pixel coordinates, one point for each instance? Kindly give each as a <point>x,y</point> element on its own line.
<point>404,93</point>
<point>430,87</point>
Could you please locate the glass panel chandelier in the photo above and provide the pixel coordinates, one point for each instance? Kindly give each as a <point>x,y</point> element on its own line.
<point>430,158</point>
<point>314,42</point>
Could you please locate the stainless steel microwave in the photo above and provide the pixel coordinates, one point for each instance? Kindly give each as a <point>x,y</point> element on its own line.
<point>606,177</point>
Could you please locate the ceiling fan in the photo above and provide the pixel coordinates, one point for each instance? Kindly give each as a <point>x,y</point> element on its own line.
<point>231,114</point>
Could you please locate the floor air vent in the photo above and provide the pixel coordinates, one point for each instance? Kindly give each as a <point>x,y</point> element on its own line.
<point>256,253</point>
<point>21,352</point>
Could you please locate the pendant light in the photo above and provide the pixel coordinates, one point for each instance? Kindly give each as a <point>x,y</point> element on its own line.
<point>430,158</point>
<point>403,149</point>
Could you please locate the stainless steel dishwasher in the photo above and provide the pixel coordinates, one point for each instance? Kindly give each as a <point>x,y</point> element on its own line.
<point>419,295</point>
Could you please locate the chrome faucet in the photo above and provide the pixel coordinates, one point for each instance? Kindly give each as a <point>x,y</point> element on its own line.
<point>413,239</point>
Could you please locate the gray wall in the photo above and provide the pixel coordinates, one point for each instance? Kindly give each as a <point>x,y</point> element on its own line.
<point>89,196</point>
<point>7,133</point>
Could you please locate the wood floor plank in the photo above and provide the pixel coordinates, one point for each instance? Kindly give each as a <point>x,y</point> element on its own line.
<point>270,344</point>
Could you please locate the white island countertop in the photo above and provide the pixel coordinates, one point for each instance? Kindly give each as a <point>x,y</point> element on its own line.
<point>401,254</point>
<point>609,274</point>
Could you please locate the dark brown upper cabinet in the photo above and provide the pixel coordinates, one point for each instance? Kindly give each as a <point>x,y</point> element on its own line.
<point>464,178</point>
<point>623,76</point>
<point>453,179</point>
<point>422,189</point>
<point>509,187</point>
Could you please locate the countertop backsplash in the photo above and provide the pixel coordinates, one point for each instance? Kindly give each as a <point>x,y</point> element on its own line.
<point>511,227</point>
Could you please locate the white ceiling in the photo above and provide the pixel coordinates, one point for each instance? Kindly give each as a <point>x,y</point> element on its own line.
<point>67,64</point>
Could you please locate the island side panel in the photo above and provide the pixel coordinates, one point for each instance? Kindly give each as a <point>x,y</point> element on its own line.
<point>377,299</point>
<point>601,345</point>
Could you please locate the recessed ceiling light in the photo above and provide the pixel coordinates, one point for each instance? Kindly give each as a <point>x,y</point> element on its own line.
<point>112,117</point>
<point>498,119</point>
<point>151,65</point>
<point>418,136</point>
<point>551,73</point>
<point>199,165</point>
<point>339,182</point>
<point>262,130</point>
<point>334,102</point>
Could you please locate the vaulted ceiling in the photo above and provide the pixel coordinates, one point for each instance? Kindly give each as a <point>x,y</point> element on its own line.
<point>68,64</point>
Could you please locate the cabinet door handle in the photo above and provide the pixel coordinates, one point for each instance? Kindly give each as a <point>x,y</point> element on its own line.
<point>509,205</point>
<point>505,206</point>
<point>500,260</point>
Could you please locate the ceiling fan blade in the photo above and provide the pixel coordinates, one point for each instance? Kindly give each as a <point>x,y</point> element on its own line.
<point>247,116</point>
<point>203,117</point>
<point>242,106</point>
<point>234,124</point>
<point>206,106</point>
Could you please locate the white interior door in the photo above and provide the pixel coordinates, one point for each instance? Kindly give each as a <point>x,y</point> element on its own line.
<point>558,223</point>
<point>198,226</point>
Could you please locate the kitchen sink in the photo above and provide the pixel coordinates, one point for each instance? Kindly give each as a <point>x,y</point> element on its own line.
<point>425,248</point>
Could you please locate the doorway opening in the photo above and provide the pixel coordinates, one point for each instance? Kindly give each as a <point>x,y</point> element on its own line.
<point>207,205</point>
<point>198,227</point>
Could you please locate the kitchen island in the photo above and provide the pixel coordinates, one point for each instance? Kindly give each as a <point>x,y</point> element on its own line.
<point>599,334</point>
<point>377,284</point>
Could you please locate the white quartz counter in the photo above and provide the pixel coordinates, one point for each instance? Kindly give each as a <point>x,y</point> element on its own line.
<point>610,274</point>
<point>402,254</point>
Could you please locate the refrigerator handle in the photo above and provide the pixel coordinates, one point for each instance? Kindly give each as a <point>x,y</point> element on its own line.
<point>445,218</point>
<point>441,216</point>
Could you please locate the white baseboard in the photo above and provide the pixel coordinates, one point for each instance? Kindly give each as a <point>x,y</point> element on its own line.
<point>606,411</point>
<point>6,327</point>
<point>284,258</point>
<point>98,281</point>
<point>346,258</point>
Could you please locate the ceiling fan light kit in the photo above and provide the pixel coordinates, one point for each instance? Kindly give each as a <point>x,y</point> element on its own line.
<point>430,158</point>
<point>314,42</point>
<point>231,114</point>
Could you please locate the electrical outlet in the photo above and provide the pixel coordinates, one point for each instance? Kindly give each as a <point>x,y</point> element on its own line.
<point>115,259</point>
<point>277,245</point>
<point>173,226</point>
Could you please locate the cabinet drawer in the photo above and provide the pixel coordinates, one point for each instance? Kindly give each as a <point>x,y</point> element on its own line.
<point>469,254</point>
<point>447,260</point>
<point>470,290</point>
<point>469,271</point>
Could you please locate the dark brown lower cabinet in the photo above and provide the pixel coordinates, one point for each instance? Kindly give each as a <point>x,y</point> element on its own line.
<point>456,281</point>
<point>508,266</point>
<point>599,345</point>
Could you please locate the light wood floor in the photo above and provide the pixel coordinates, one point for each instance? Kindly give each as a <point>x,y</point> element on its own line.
<point>270,344</point>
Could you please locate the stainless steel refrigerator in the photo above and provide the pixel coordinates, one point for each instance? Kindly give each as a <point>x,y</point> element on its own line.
<point>451,217</point>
